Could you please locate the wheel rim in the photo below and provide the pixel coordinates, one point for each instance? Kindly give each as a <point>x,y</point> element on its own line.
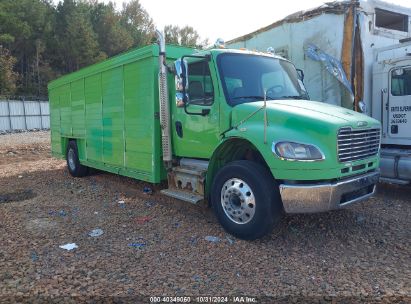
<point>70,159</point>
<point>238,201</point>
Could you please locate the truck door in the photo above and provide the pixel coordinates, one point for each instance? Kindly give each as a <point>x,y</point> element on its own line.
<point>398,122</point>
<point>197,135</point>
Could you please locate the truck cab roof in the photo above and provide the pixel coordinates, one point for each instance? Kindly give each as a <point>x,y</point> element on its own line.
<point>217,51</point>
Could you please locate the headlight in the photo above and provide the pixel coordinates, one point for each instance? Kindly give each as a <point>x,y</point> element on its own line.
<point>296,151</point>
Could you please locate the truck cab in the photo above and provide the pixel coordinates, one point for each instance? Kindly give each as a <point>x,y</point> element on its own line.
<point>391,104</point>
<point>246,137</point>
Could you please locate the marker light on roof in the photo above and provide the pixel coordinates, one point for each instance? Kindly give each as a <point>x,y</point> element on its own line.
<point>220,43</point>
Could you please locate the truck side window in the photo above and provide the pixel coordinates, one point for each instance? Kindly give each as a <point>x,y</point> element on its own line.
<point>401,82</point>
<point>200,88</point>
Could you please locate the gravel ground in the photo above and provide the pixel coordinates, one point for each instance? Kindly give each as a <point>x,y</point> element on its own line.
<point>156,246</point>
<point>13,140</point>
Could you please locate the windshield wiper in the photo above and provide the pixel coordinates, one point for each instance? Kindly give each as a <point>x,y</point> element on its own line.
<point>252,96</point>
<point>291,97</point>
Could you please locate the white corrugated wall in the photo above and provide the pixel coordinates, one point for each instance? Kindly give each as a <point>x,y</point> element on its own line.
<point>24,115</point>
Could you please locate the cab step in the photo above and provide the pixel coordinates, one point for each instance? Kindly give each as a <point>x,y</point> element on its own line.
<point>186,181</point>
<point>183,195</point>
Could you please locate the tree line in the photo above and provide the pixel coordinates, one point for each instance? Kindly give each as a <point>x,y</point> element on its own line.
<point>40,41</point>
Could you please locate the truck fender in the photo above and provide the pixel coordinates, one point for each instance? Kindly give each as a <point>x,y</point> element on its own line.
<point>231,149</point>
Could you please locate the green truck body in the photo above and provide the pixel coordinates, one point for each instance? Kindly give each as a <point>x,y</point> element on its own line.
<point>111,109</point>
<point>252,157</point>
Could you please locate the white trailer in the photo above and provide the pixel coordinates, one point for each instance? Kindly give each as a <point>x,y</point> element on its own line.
<point>338,45</point>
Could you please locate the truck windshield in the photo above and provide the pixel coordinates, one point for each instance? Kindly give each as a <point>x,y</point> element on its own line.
<point>247,77</point>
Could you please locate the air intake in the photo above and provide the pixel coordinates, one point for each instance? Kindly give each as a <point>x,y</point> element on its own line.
<point>357,144</point>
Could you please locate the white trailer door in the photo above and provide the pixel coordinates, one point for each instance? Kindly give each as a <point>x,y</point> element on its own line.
<point>399,103</point>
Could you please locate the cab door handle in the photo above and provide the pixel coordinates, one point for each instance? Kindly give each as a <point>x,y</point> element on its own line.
<point>205,112</point>
<point>179,129</point>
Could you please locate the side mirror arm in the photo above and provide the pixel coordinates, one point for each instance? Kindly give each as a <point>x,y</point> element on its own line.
<point>170,68</point>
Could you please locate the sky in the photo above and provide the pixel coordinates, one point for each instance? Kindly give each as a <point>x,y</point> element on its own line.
<point>226,19</point>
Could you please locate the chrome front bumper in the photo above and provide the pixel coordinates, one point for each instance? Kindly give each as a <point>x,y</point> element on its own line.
<point>309,198</point>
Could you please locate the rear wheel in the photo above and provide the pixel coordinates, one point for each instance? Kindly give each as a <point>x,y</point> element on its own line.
<point>73,163</point>
<point>246,199</point>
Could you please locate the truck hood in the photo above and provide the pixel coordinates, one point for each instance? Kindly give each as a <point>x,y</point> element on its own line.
<point>305,110</point>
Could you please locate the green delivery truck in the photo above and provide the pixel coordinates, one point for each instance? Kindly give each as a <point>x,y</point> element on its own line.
<point>234,128</point>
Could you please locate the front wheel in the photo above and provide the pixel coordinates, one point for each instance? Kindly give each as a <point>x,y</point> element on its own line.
<point>246,199</point>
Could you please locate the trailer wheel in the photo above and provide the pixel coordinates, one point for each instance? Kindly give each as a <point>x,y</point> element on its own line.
<point>73,163</point>
<point>246,199</point>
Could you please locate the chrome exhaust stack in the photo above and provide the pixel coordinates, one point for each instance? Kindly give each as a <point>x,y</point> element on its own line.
<point>164,102</point>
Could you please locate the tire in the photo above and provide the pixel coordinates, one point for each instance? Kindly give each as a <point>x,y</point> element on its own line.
<point>73,163</point>
<point>246,199</point>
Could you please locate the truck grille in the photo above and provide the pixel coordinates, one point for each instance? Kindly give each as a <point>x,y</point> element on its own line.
<point>357,144</point>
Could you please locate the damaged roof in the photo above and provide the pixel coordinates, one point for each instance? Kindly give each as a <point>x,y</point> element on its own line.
<point>335,7</point>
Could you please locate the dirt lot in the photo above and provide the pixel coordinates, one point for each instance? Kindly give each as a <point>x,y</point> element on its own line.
<point>156,246</point>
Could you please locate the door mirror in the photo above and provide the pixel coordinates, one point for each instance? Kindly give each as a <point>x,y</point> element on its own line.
<point>181,82</point>
<point>181,69</point>
<point>303,90</point>
<point>300,74</point>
